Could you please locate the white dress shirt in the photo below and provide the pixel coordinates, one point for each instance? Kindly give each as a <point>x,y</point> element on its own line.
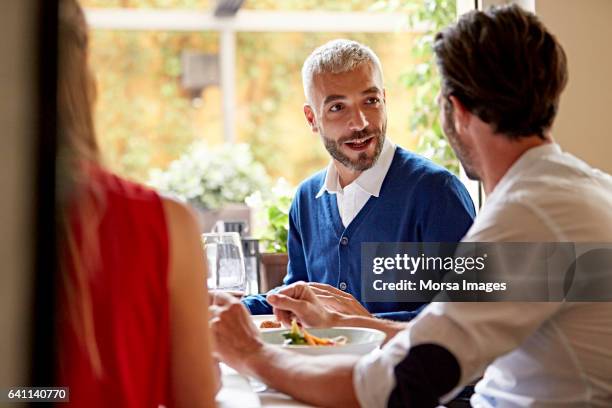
<point>354,196</point>
<point>554,354</point>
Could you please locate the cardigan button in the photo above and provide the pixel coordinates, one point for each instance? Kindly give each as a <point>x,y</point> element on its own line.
<point>344,241</point>
<point>343,285</point>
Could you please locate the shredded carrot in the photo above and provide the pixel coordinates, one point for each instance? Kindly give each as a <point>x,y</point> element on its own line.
<point>310,340</point>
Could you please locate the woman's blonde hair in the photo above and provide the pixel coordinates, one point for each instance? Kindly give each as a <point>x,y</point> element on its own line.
<point>76,87</point>
<point>81,206</point>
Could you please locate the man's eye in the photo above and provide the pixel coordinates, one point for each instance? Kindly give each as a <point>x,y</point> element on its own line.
<point>335,108</point>
<point>373,100</point>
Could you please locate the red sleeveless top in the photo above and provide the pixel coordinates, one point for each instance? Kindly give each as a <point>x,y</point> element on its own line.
<point>129,302</point>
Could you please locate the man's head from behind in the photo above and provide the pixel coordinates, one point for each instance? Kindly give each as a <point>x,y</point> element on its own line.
<point>503,67</point>
<point>345,102</point>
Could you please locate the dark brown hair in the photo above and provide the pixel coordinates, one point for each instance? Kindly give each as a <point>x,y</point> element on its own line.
<point>505,67</point>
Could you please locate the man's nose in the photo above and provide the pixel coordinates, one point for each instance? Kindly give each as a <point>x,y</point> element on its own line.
<point>358,120</point>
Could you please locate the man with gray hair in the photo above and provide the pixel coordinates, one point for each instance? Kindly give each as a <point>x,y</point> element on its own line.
<point>372,190</point>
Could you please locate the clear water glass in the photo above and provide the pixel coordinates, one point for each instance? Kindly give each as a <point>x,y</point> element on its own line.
<point>226,270</point>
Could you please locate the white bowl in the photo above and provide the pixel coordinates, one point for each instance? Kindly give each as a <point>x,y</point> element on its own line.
<point>360,340</point>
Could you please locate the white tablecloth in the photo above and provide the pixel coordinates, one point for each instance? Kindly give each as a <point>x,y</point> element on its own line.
<point>237,392</point>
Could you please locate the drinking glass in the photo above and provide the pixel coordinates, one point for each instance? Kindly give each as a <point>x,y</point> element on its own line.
<point>225,261</point>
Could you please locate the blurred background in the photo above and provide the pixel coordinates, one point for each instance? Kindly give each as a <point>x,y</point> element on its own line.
<point>148,116</point>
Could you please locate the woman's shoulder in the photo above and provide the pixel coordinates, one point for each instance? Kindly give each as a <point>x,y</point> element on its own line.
<point>178,215</point>
<point>120,186</point>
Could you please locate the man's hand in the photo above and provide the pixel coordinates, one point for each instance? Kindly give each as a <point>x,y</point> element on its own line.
<point>338,300</point>
<point>299,300</point>
<point>323,381</point>
<point>235,334</point>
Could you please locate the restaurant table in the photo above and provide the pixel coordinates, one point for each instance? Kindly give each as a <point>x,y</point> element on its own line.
<point>237,392</point>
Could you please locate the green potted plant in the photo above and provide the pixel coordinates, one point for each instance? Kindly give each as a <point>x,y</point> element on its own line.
<point>214,180</point>
<point>272,229</point>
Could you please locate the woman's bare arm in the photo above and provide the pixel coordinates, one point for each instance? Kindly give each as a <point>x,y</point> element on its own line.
<point>194,379</point>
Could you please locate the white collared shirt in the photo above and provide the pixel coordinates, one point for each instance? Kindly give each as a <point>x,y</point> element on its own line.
<point>354,196</point>
<point>536,354</point>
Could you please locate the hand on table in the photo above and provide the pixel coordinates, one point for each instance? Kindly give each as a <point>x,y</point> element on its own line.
<point>235,334</point>
<point>338,300</point>
<point>299,300</point>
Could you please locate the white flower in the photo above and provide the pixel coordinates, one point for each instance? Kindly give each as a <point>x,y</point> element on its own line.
<point>211,177</point>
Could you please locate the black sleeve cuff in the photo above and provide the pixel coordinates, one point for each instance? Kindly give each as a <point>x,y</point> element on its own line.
<point>428,372</point>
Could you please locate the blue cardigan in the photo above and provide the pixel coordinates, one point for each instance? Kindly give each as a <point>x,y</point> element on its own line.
<point>418,202</point>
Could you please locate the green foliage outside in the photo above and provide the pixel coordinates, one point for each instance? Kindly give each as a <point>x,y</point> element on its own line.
<point>423,78</point>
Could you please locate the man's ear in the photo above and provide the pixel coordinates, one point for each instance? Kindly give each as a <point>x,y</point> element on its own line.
<point>461,116</point>
<point>310,118</point>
